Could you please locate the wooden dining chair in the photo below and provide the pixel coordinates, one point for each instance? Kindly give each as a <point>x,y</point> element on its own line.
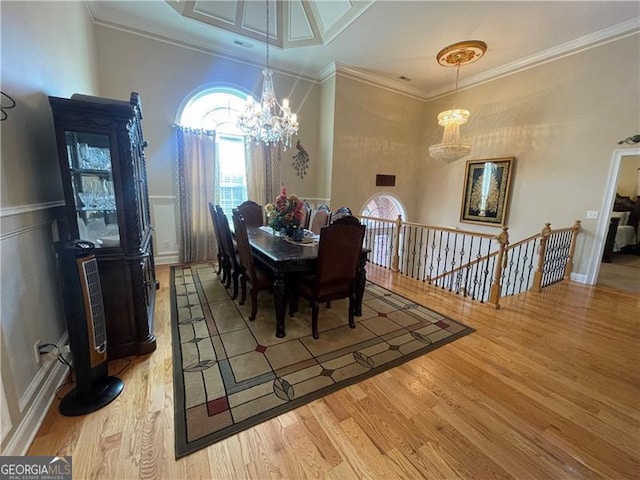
<point>231,262</point>
<point>252,275</point>
<point>339,254</point>
<point>252,213</point>
<point>320,219</point>
<point>216,231</point>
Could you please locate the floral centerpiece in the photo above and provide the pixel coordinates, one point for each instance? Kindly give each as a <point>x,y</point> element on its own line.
<point>285,213</point>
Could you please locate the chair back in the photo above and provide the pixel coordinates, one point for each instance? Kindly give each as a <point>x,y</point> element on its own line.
<point>226,239</point>
<point>320,219</point>
<point>339,254</point>
<point>339,213</point>
<point>242,240</point>
<point>214,220</point>
<point>306,214</point>
<point>252,213</point>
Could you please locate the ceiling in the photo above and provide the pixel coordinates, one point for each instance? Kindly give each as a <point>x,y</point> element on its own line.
<point>379,40</point>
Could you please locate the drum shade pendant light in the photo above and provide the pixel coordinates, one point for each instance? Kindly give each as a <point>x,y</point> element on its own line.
<point>268,121</point>
<point>451,149</point>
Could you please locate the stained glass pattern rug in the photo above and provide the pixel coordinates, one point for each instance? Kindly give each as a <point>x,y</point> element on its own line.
<point>231,374</point>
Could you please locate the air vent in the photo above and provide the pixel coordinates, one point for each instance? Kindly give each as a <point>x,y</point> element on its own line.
<point>242,44</point>
<point>406,79</point>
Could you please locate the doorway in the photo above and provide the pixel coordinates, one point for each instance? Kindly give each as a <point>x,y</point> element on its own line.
<point>624,269</point>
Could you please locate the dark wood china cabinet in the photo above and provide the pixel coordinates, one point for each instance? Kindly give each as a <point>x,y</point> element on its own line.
<point>101,153</point>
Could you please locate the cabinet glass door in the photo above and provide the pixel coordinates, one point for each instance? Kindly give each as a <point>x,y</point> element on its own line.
<point>91,170</point>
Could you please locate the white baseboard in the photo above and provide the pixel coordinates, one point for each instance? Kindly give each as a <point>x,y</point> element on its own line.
<point>579,277</point>
<point>38,380</point>
<point>28,427</point>
<point>166,258</point>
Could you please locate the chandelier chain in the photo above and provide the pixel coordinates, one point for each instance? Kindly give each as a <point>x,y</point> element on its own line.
<point>267,33</point>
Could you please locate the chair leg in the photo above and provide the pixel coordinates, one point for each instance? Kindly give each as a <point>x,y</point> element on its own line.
<point>329,304</point>
<point>314,319</point>
<point>227,276</point>
<point>223,266</point>
<point>236,274</point>
<point>243,289</point>
<point>254,304</point>
<point>219,264</point>
<point>352,309</point>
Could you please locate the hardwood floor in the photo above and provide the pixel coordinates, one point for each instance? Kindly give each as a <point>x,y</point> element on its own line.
<point>547,387</point>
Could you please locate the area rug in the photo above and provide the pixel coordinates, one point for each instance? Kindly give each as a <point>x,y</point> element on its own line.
<point>231,374</point>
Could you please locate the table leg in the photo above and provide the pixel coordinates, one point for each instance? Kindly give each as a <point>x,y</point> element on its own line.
<point>280,301</point>
<point>361,280</point>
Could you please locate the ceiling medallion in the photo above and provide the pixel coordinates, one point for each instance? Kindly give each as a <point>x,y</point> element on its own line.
<point>461,53</point>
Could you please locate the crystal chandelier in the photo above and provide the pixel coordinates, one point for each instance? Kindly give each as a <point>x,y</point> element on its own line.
<point>268,121</point>
<point>451,149</point>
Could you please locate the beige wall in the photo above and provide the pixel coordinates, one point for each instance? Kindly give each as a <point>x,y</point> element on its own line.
<point>562,121</point>
<point>629,177</point>
<point>47,49</point>
<point>376,131</point>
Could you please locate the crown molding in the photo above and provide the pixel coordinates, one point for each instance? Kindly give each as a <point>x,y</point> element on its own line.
<point>580,44</point>
<point>370,78</point>
<point>586,42</point>
<point>90,9</point>
<point>200,49</point>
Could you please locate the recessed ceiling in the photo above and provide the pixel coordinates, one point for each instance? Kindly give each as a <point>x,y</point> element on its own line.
<point>292,24</point>
<point>384,39</point>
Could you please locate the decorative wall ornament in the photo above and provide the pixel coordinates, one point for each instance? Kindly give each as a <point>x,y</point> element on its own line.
<point>630,140</point>
<point>485,196</point>
<point>301,160</point>
<point>7,104</point>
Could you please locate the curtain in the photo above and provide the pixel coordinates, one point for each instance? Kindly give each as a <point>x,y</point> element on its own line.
<point>196,176</point>
<point>263,171</point>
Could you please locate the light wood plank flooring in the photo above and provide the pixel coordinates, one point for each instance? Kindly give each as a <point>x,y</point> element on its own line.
<point>548,387</point>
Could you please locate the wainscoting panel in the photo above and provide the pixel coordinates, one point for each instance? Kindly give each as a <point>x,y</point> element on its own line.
<point>165,236</point>
<point>32,312</point>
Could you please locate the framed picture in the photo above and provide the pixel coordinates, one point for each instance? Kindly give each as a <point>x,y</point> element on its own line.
<point>485,196</point>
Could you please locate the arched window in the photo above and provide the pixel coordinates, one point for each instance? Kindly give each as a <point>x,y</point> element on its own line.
<point>379,234</point>
<point>384,206</point>
<point>217,109</point>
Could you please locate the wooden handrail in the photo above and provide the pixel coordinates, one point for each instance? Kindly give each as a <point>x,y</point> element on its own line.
<point>462,267</point>
<point>502,252</point>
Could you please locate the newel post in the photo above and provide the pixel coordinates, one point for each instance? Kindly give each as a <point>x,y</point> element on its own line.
<point>395,248</point>
<point>572,249</point>
<point>496,287</point>
<point>542,252</point>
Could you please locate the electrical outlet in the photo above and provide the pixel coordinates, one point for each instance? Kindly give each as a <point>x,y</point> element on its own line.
<point>36,352</point>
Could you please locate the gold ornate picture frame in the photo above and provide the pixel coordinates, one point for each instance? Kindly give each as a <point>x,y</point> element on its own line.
<point>485,197</point>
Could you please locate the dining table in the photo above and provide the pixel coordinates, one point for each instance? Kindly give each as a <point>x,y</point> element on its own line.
<point>285,259</point>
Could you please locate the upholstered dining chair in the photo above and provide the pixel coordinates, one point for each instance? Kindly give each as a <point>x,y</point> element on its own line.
<point>320,219</point>
<point>216,230</point>
<point>231,262</point>
<point>306,214</point>
<point>339,253</point>
<point>339,213</point>
<point>252,213</point>
<point>255,276</point>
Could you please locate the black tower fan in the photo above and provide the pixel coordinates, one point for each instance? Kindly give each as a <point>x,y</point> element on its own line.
<point>87,329</point>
